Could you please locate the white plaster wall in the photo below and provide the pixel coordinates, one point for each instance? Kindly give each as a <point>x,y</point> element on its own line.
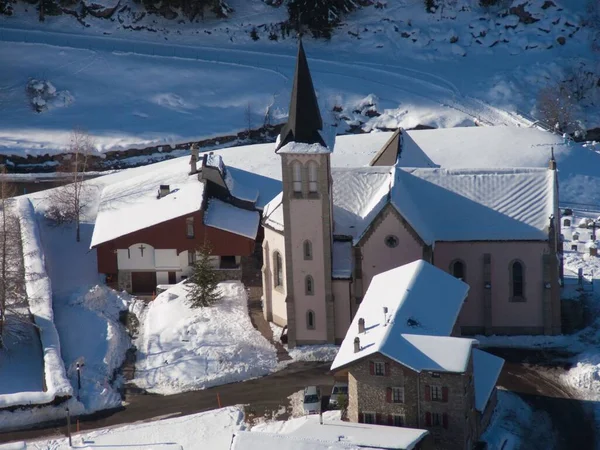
<point>275,243</point>
<point>162,277</point>
<point>134,259</point>
<point>166,259</point>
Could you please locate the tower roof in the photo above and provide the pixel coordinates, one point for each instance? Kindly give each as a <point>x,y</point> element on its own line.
<point>304,119</point>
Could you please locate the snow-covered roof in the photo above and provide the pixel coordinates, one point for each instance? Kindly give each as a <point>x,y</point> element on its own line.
<point>335,432</point>
<point>247,440</point>
<point>132,204</point>
<point>341,267</point>
<point>470,204</point>
<point>225,216</point>
<point>302,148</point>
<point>358,195</point>
<point>423,303</point>
<point>273,213</point>
<point>485,147</point>
<point>486,370</point>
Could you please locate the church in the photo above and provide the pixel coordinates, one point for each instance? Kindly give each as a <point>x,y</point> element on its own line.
<point>331,230</point>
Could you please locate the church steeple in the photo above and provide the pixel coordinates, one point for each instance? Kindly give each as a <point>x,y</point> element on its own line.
<point>304,121</point>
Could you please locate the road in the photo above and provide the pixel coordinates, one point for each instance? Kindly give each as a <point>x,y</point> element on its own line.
<point>534,375</point>
<point>526,372</point>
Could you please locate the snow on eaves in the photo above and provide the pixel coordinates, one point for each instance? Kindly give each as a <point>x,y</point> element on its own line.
<point>472,205</point>
<point>39,295</point>
<point>302,148</point>
<point>246,440</point>
<point>423,303</point>
<point>132,204</point>
<point>486,370</point>
<point>227,217</point>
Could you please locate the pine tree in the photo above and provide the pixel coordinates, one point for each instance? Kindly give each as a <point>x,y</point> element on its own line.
<point>204,289</point>
<point>319,16</point>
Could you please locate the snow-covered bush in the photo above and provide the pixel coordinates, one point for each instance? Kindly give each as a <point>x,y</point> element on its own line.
<point>43,95</point>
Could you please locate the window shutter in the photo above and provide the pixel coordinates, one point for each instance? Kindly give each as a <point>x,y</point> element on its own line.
<point>390,419</point>
<point>387,369</point>
<point>445,394</point>
<point>427,393</point>
<point>428,419</point>
<point>371,367</point>
<point>445,420</point>
<point>388,395</point>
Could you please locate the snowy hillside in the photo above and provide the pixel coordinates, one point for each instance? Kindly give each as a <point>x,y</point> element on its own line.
<point>172,81</point>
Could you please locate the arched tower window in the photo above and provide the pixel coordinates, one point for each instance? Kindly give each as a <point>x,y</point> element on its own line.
<point>310,319</point>
<point>312,176</point>
<point>297,176</point>
<point>309,285</point>
<point>517,281</point>
<point>307,249</point>
<point>458,269</point>
<point>277,269</point>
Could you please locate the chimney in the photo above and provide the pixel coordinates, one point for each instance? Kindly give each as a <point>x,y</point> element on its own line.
<point>163,190</point>
<point>356,345</point>
<point>385,311</point>
<point>361,325</point>
<point>552,165</point>
<point>194,159</point>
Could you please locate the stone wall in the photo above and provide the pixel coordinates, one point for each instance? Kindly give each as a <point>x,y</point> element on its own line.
<point>368,393</point>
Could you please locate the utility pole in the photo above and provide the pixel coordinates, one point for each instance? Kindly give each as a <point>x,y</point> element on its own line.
<point>79,366</point>
<point>69,427</point>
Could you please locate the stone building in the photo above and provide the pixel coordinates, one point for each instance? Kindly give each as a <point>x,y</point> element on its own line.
<point>149,227</point>
<point>403,367</point>
<point>331,230</point>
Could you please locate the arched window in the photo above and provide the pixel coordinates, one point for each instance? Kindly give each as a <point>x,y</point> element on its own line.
<point>309,285</point>
<point>458,270</point>
<point>277,269</point>
<point>310,319</point>
<point>517,281</point>
<point>312,176</point>
<point>307,248</point>
<point>297,176</point>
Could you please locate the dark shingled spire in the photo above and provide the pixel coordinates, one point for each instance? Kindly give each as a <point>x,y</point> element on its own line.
<point>304,120</point>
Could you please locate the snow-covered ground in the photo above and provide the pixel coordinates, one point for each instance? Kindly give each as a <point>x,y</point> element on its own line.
<point>210,430</point>
<point>324,352</point>
<point>187,81</point>
<point>182,349</point>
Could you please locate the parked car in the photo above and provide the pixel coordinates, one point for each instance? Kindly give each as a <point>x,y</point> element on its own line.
<point>312,400</point>
<point>338,389</point>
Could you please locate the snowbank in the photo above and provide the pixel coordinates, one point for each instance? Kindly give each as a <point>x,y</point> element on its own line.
<point>210,430</point>
<point>39,293</point>
<point>182,349</point>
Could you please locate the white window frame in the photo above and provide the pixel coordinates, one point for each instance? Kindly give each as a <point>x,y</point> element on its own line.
<point>191,257</point>
<point>189,227</point>
<point>379,369</point>
<point>436,393</point>
<point>402,417</point>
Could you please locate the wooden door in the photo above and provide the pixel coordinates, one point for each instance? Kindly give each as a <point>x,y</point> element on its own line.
<point>172,278</point>
<point>143,282</point>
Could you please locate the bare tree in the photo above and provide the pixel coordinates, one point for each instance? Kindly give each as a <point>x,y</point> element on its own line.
<point>555,105</point>
<point>13,303</point>
<point>66,202</point>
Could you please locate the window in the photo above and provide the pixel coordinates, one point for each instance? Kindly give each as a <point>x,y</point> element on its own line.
<point>228,262</point>
<point>436,393</point>
<point>307,247</point>
<point>391,241</point>
<point>297,176</point>
<point>398,395</point>
<point>191,257</point>
<point>436,419</point>
<point>312,177</point>
<point>310,320</point>
<point>457,269</point>
<point>189,227</point>
<point>517,283</point>
<point>309,285</point>
<point>398,420</point>
<point>368,417</point>
<point>278,269</point>
<point>379,369</point>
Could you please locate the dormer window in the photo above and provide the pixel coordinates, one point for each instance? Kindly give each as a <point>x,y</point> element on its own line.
<point>312,177</point>
<point>297,177</point>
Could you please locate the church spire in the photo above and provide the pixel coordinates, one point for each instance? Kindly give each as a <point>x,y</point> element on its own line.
<point>304,120</point>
